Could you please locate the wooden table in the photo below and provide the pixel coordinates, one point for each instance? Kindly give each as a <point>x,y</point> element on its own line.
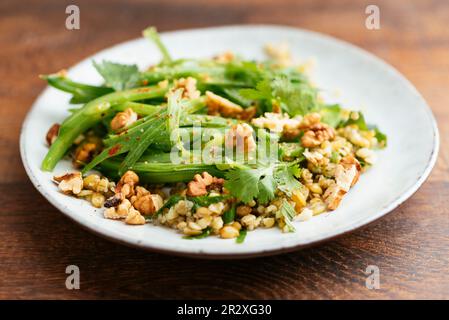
<point>410,246</point>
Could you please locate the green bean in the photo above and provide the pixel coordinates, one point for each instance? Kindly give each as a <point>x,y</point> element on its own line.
<point>82,93</point>
<point>88,116</point>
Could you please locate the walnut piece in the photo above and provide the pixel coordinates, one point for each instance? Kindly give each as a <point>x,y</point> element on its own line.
<point>198,186</point>
<point>123,119</point>
<point>189,87</point>
<point>317,134</point>
<point>52,133</point>
<point>148,204</point>
<point>125,186</point>
<point>241,137</point>
<point>134,217</point>
<point>217,105</point>
<point>70,182</point>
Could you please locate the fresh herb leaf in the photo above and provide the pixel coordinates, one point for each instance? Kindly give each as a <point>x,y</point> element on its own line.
<point>295,98</point>
<point>288,212</point>
<point>331,115</point>
<point>229,215</point>
<point>118,76</point>
<point>244,183</point>
<point>242,236</point>
<point>284,175</point>
<point>261,183</point>
<point>205,233</point>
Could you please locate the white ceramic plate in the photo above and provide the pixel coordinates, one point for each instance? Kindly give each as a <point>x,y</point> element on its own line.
<point>364,82</point>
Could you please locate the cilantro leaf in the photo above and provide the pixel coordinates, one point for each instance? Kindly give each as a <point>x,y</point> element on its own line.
<point>261,183</point>
<point>331,115</point>
<point>118,76</point>
<point>285,178</point>
<point>295,98</point>
<point>244,182</point>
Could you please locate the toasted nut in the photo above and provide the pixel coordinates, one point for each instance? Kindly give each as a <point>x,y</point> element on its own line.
<point>229,232</point>
<point>317,134</point>
<point>198,186</point>
<point>241,137</point>
<point>123,119</point>
<point>217,105</point>
<point>134,217</point>
<point>84,153</point>
<point>126,184</point>
<point>145,205</point>
<point>70,182</point>
<point>189,87</point>
<point>123,208</point>
<point>52,133</point>
<point>243,210</point>
<point>111,213</point>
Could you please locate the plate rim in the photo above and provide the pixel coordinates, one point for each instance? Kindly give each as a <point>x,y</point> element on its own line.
<point>256,253</point>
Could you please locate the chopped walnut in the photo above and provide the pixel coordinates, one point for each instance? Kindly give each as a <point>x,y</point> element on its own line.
<point>70,182</point>
<point>134,217</point>
<point>84,153</point>
<point>123,120</point>
<point>217,105</point>
<point>247,114</point>
<point>317,134</point>
<point>52,133</point>
<point>241,137</point>
<point>148,204</point>
<point>125,187</point>
<point>120,212</point>
<point>333,196</point>
<point>189,87</point>
<point>198,186</point>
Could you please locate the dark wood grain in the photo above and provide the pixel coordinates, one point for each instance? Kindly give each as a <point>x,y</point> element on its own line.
<point>37,242</point>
